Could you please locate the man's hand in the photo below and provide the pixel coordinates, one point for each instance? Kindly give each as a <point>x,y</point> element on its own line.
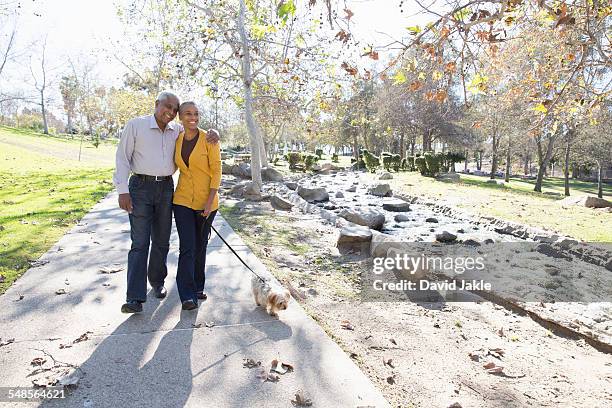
<point>125,202</point>
<point>212,136</point>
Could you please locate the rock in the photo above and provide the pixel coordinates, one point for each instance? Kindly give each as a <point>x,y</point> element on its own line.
<point>549,250</point>
<point>396,205</point>
<point>354,233</point>
<point>351,189</point>
<point>329,207</point>
<point>431,219</point>
<point>449,177</point>
<point>315,167</point>
<point>471,242</point>
<point>329,167</point>
<point>242,170</point>
<point>498,182</point>
<point>381,243</point>
<point>237,191</point>
<point>226,168</point>
<point>313,195</point>
<point>587,201</point>
<point>386,176</point>
<point>446,236</point>
<point>339,194</point>
<point>489,241</point>
<point>280,203</point>
<point>356,167</point>
<point>368,218</point>
<point>271,174</point>
<point>291,185</point>
<point>380,190</point>
<point>401,218</point>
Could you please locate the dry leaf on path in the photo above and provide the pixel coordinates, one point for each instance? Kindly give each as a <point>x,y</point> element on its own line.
<point>281,368</point>
<point>493,368</point>
<point>301,400</point>
<point>61,291</point>
<point>82,337</point>
<point>250,363</point>
<point>388,362</point>
<point>6,342</point>
<point>268,376</point>
<point>114,268</point>
<point>345,324</point>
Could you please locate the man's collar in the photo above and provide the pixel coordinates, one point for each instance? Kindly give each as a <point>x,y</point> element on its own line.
<point>153,124</point>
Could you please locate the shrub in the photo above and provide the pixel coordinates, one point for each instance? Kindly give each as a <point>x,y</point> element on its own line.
<point>319,152</point>
<point>335,158</point>
<point>452,158</point>
<point>293,158</point>
<point>432,162</point>
<point>410,163</point>
<point>421,165</point>
<point>309,160</point>
<point>371,162</point>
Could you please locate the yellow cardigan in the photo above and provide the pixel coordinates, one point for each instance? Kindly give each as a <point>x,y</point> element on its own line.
<point>203,173</point>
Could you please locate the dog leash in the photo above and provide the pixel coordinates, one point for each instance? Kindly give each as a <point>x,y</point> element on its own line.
<point>237,256</point>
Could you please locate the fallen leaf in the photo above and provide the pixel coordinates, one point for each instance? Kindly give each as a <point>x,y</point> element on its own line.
<point>493,368</point>
<point>496,352</point>
<point>281,368</point>
<point>301,400</point>
<point>196,325</point>
<point>209,324</point>
<point>65,346</point>
<point>391,380</point>
<point>114,268</point>
<point>500,332</point>
<point>345,324</point>
<point>264,376</point>
<point>19,298</point>
<point>393,341</point>
<point>38,361</point>
<point>61,291</point>
<point>388,362</point>
<point>6,342</point>
<point>250,363</point>
<point>82,337</point>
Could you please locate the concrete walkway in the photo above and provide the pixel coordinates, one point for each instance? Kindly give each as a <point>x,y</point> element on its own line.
<point>164,357</point>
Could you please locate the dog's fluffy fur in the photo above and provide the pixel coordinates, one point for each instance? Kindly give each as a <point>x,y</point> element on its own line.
<point>270,295</point>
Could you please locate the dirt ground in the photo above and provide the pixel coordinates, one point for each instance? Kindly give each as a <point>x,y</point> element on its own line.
<point>428,354</point>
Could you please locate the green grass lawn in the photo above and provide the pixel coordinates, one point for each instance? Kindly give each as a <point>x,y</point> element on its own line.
<point>44,191</point>
<point>516,201</point>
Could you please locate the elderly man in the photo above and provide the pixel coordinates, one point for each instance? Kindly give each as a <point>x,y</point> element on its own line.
<point>146,150</point>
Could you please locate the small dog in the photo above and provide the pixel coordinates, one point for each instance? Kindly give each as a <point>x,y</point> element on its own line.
<point>270,295</point>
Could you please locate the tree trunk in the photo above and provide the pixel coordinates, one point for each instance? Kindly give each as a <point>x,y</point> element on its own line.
<point>44,112</point>
<point>567,157</point>
<point>494,156</point>
<point>401,145</point>
<point>508,166</point>
<point>599,179</point>
<point>526,166</point>
<point>252,127</point>
<point>544,164</point>
<point>426,141</point>
<point>69,125</point>
<point>465,166</point>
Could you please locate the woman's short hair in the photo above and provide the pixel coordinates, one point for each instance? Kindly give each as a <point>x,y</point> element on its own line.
<point>184,105</point>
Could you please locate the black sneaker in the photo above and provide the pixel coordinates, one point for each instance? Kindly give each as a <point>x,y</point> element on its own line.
<point>201,295</point>
<point>160,292</point>
<point>189,305</point>
<point>131,306</point>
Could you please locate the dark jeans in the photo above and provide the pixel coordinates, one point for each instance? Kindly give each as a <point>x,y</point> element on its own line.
<point>194,233</point>
<point>150,223</point>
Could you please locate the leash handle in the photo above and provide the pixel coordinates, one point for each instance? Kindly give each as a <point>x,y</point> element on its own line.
<point>237,256</point>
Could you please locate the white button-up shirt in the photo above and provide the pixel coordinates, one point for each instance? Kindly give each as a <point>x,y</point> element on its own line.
<point>145,149</point>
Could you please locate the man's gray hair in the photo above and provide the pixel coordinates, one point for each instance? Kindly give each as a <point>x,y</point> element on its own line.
<point>164,95</point>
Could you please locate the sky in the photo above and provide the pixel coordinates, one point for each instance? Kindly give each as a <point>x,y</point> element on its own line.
<point>85,28</point>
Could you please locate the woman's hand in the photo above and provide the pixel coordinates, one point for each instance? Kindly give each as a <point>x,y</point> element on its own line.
<point>206,210</point>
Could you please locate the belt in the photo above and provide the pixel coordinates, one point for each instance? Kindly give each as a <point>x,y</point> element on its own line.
<point>144,177</point>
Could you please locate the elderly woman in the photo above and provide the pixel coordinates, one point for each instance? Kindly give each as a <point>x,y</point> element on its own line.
<point>195,203</point>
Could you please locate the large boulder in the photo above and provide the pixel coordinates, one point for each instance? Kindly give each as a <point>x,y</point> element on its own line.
<point>291,185</point>
<point>586,201</point>
<point>351,189</point>
<point>354,238</point>
<point>396,205</point>
<point>366,217</point>
<point>380,190</point>
<point>401,218</point>
<point>314,194</point>
<point>445,236</point>
<point>449,177</point>
<point>280,203</point>
<point>241,170</point>
<point>226,168</point>
<point>271,174</point>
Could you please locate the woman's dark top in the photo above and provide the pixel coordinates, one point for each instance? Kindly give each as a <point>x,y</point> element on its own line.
<point>188,146</point>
